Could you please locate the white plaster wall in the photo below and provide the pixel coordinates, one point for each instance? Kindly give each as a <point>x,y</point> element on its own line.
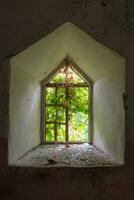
<point>105,68</point>
<point>24,114</point>
<point>109,122</point>
<point>27,70</point>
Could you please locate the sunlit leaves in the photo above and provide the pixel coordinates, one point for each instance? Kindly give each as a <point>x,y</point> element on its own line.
<point>60,114</point>
<point>61,133</point>
<point>66,74</point>
<point>78,124</point>
<point>78,99</point>
<point>61,95</point>
<point>50,113</point>
<point>50,95</point>
<point>57,104</point>
<point>49,132</point>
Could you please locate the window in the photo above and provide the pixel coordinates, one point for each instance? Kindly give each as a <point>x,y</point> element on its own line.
<point>107,72</point>
<point>66,106</point>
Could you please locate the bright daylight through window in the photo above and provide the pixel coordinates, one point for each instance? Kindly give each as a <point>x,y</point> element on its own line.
<point>66,106</point>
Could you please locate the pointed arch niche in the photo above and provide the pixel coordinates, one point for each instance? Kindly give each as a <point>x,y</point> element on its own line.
<point>104,73</point>
<point>66,93</point>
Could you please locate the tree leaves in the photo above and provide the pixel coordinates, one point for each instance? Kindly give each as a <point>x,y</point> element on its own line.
<point>56,104</point>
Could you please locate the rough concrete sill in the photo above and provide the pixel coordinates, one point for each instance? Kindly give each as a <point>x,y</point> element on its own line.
<point>74,155</point>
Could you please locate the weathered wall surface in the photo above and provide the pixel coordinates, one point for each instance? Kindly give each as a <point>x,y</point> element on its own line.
<point>105,68</point>
<point>27,71</point>
<point>107,71</point>
<point>25,123</point>
<point>108,21</point>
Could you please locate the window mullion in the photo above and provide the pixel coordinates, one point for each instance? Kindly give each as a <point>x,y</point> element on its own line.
<point>67,102</point>
<point>67,105</point>
<point>55,129</point>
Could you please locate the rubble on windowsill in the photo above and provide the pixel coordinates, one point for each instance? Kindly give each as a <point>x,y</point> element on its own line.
<point>72,155</point>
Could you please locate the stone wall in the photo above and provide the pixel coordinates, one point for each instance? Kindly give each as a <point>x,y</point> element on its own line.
<point>111,23</point>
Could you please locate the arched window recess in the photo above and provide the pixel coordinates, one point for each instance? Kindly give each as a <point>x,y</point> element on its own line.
<point>66,105</point>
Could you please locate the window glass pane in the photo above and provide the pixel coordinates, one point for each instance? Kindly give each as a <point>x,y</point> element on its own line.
<point>78,105</point>
<point>49,132</point>
<point>50,95</point>
<point>74,77</point>
<point>50,113</point>
<point>78,114</point>
<point>61,95</point>
<point>67,74</point>
<point>60,76</point>
<point>60,114</point>
<point>60,133</point>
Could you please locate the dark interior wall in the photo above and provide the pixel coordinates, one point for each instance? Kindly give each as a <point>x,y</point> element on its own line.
<point>108,21</point>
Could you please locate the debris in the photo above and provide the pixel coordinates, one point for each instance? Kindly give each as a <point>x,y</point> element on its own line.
<point>72,155</point>
<point>67,162</point>
<point>51,161</point>
<point>67,145</point>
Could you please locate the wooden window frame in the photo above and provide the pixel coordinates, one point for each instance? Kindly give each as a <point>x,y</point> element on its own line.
<point>45,84</point>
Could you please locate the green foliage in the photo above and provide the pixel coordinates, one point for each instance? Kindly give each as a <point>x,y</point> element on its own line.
<point>78,99</point>
<point>61,133</point>
<point>77,107</point>
<point>60,78</point>
<point>50,113</point>
<point>67,75</point>
<point>78,123</point>
<point>50,95</point>
<point>50,133</point>
<point>51,98</point>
